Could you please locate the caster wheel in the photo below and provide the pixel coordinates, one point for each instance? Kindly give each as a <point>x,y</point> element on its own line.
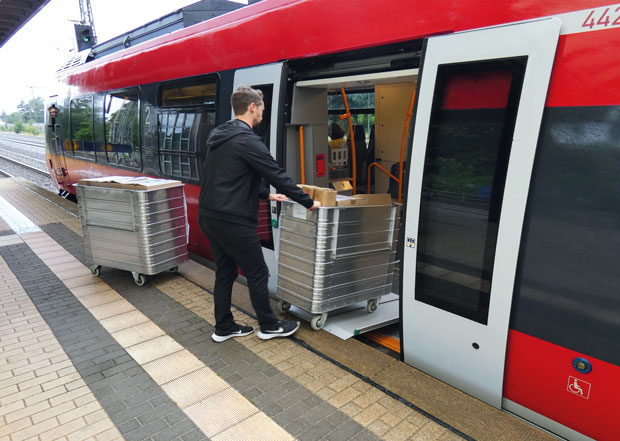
<point>283,306</point>
<point>318,321</point>
<point>174,269</point>
<point>96,270</point>
<point>140,279</point>
<point>372,305</point>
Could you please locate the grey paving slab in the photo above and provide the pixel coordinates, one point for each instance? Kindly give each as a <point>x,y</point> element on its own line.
<point>240,367</point>
<point>110,373</point>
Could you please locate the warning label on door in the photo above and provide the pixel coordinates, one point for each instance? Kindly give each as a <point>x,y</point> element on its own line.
<point>578,387</point>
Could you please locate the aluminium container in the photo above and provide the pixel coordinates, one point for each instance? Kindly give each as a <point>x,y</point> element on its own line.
<point>334,257</point>
<point>142,231</point>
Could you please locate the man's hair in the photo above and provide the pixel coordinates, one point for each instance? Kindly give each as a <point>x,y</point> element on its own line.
<point>241,99</point>
<point>53,106</point>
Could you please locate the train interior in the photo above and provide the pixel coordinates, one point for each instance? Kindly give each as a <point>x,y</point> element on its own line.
<point>369,114</point>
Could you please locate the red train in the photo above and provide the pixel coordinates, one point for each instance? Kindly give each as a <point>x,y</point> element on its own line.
<point>510,235</point>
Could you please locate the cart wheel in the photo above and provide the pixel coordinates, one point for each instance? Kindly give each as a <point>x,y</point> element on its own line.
<point>140,279</point>
<point>96,270</point>
<point>372,305</point>
<point>283,306</point>
<point>318,321</point>
<point>174,269</point>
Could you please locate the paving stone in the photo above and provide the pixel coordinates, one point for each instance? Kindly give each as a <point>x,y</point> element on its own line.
<point>92,350</point>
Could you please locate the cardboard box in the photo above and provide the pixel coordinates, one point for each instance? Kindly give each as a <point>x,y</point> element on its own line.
<point>364,199</point>
<point>342,184</point>
<point>326,196</point>
<point>130,182</point>
<point>309,189</point>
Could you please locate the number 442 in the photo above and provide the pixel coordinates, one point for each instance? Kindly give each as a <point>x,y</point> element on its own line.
<point>604,19</point>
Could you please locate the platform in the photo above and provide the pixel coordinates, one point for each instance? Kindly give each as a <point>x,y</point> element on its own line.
<point>99,358</point>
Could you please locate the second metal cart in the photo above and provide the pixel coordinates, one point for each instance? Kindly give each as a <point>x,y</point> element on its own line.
<point>139,230</point>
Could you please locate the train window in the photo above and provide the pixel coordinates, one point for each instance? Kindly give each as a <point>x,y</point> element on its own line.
<point>470,136</point>
<point>82,127</point>
<point>122,128</point>
<point>184,94</point>
<point>361,104</point>
<point>566,290</point>
<point>187,115</point>
<point>181,136</point>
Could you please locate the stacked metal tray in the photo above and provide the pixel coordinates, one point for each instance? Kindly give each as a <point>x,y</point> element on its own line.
<point>334,257</point>
<point>142,231</point>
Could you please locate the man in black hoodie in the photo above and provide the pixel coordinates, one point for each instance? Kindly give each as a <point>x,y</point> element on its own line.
<point>237,162</point>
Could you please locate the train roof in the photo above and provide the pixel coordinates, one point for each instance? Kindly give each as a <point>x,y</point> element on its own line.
<point>274,30</point>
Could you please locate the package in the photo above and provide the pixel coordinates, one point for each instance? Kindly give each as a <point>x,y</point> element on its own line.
<point>309,189</point>
<point>326,196</point>
<point>364,199</point>
<point>130,182</point>
<point>342,184</point>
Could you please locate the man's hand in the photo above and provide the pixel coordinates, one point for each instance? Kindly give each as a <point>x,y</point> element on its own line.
<point>316,205</point>
<point>277,197</point>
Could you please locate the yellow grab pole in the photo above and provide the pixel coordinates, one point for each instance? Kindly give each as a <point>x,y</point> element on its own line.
<point>351,138</point>
<point>301,155</point>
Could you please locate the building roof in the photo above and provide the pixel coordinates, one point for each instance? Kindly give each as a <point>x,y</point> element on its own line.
<point>16,13</point>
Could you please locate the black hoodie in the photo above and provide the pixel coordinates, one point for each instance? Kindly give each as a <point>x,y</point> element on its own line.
<point>237,161</point>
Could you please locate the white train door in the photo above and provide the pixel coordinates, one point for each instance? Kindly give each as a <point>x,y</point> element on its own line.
<point>267,78</point>
<point>479,108</point>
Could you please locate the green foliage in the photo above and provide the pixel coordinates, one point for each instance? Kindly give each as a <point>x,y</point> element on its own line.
<point>31,130</point>
<point>13,118</point>
<point>18,127</point>
<point>32,111</point>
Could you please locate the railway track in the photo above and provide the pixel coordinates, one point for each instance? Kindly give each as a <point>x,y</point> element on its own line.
<point>17,139</point>
<point>26,166</point>
<point>24,158</point>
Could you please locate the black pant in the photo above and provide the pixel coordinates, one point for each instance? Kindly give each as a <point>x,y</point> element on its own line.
<point>236,245</point>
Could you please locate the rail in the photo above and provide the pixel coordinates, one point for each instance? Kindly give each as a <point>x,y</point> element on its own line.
<point>29,167</point>
<point>40,144</point>
<point>402,153</point>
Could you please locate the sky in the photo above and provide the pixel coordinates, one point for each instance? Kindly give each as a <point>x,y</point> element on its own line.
<point>31,57</point>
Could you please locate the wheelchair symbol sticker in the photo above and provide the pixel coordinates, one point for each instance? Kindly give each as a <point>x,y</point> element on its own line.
<point>578,387</point>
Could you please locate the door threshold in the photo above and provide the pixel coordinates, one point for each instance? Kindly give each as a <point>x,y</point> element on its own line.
<point>354,320</point>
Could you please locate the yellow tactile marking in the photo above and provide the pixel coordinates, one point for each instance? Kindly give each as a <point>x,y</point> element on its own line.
<point>168,363</point>
<point>377,412</point>
<point>42,396</point>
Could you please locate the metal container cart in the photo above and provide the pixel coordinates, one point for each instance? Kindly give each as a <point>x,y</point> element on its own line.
<point>334,257</point>
<point>139,230</point>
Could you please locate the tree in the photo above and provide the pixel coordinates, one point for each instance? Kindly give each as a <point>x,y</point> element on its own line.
<point>19,126</point>
<point>32,111</point>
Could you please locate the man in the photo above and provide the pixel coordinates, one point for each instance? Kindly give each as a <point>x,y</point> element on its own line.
<point>237,162</point>
<point>54,112</point>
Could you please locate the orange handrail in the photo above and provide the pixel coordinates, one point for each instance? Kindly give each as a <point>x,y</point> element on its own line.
<point>351,138</point>
<point>402,155</point>
<point>301,155</point>
<point>380,167</point>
